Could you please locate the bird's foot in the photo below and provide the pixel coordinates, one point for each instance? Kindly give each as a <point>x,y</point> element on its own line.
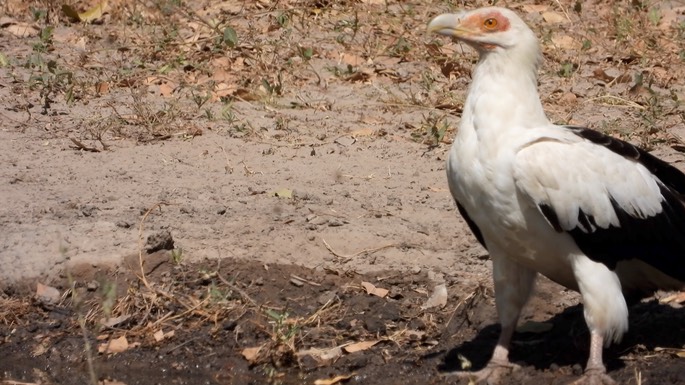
<point>594,376</point>
<point>492,374</point>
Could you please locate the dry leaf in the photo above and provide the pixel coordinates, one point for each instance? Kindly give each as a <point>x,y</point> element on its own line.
<point>114,346</point>
<point>165,89</point>
<point>359,346</point>
<point>110,322</point>
<point>322,355</point>
<point>41,348</point>
<point>363,132</point>
<point>23,30</point>
<point>373,290</point>
<point>283,193</point>
<point>600,74</point>
<point>554,17</point>
<point>675,351</point>
<point>102,88</point>
<point>565,42</point>
<point>674,298</point>
<point>334,380</point>
<point>251,354</point>
<point>437,299</point>
<point>352,60</point>
<point>530,8</point>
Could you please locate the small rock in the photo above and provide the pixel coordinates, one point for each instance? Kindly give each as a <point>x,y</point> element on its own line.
<point>161,240</point>
<point>123,224</point>
<point>437,299</point>
<point>47,294</point>
<point>318,221</point>
<point>395,292</point>
<point>296,282</point>
<point>93,285</point>
<point>375,325</point>
<point>577,370</point>
<point>417,324</point>
<point>326,297</point>
<point>335,222</point>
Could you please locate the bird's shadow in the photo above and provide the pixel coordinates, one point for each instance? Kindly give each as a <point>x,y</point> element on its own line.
<point>567,343</point>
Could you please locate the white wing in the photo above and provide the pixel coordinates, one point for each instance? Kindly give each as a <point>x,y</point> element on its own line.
<point>571,178</point>
<point>617,202</point>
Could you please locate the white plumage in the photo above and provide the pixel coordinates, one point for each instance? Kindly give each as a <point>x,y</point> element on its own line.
<point>590,212</point>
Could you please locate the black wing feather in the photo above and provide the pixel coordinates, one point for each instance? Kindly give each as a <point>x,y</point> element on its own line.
<point>472,225</point>
<point>659,240</point>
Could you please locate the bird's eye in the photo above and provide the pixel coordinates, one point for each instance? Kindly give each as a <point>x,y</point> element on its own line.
<point>490,23</point>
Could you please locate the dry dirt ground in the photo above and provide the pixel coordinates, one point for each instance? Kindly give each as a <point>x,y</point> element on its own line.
<point>250,192</point>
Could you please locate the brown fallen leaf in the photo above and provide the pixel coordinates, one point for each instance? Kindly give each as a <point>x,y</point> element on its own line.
<point>600,74</point>
<point>23,30</point>
<point>251,354</point>
<point>530,8</point>
<point>373,290</point>
<point>41,348</point>
<point>363,132</point>
<point>554,17</point>
<point>114,346</point>
<point>322,355</point>
<point>565,42</point>
<point>166,89</point>
<point>114,321</point>
<point>359,346</point>
<point>334,380</point>
<point>674,298</point>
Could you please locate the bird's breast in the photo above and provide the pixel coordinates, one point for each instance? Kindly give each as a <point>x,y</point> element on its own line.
<point>482,181</point>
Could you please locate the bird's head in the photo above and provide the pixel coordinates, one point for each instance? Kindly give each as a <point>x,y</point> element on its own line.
<point>489,30</point>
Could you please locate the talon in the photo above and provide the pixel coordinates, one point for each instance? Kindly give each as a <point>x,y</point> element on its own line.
<point>491,374</point>
<point>594,376</point>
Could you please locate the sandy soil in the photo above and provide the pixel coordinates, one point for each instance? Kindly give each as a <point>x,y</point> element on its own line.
<point>316,153</point>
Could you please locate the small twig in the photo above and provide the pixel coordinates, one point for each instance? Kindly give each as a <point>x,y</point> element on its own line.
<point>140,241</point>
<point>227,167</point>
<point>626,102</point>
<point>348,257</point>
<point>563,9</point>
<point>304,280</point>
<point>240,291</point>
<point>181,345</point>
<point>81,146</point>
<point>247,170</point>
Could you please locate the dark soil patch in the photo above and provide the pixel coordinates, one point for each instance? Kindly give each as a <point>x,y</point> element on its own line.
<point>217,311</point>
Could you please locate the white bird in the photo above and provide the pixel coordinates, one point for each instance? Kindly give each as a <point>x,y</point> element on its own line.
<point>590,212</point>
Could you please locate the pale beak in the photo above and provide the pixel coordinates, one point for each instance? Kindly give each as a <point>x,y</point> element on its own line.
<point>448,24</point>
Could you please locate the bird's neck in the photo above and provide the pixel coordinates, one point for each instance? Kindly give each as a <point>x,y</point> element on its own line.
<point>503,95</point>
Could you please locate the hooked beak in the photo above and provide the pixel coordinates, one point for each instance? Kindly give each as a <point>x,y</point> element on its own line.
<point>450,24</point>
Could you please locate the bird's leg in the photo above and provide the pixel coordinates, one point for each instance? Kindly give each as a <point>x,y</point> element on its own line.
<point>606,314</point>
<point>500,357</point>
<point>595,372</point>
<point>513,285</point>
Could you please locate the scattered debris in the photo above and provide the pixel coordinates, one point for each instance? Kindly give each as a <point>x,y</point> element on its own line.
<point>437,299</point>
